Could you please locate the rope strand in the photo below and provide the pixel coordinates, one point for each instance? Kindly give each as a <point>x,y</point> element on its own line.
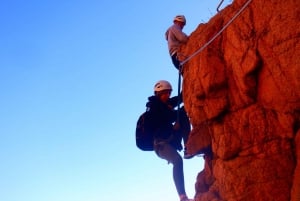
<point>213,38</point>
<point>219,5</point>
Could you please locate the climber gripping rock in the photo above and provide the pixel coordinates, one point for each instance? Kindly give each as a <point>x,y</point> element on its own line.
<point>176,37</point>
<point>168,131</point>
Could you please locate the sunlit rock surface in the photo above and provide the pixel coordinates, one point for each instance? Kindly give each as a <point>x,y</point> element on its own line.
<point>242,94</point>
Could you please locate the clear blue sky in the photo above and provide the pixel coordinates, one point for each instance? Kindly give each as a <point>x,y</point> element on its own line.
<point>74,77</point>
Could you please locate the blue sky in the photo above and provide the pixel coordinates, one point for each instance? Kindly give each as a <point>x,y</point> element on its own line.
<point>74,77</point>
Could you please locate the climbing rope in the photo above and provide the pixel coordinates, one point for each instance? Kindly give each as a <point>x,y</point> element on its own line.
<point>213,38</point>
<point>179,97</point>
<point>203,47</point>
<point>219,5</point>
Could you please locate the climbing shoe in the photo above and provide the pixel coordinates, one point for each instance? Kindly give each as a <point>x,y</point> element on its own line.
<point>186,199</point>
<point>187,155</point>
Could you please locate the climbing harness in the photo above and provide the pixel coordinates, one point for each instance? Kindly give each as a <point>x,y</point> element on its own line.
<point>213,38</point>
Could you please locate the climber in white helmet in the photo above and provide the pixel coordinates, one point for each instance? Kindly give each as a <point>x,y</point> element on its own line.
<point>169,131</point>
<point>176,37</point>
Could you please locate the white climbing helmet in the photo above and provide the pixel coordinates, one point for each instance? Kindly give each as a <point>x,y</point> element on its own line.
<point>180,18</point>
<point>162,85</point>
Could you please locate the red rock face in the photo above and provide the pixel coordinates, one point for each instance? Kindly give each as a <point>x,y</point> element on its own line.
<point>242,93</point>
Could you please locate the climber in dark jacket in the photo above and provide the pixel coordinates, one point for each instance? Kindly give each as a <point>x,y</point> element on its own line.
<point>163,116</point>
<point>167,134</point>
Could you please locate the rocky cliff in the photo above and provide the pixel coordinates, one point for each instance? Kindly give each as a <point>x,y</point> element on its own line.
<point>242,94</point>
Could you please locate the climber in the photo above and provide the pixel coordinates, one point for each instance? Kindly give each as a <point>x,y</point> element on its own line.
<point>168,133</point>
<point>176,37</point>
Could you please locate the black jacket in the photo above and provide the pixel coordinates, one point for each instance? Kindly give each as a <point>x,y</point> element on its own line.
<point>162,116</point>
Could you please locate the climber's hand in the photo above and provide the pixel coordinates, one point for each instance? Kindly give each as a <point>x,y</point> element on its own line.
<point>176,126</point>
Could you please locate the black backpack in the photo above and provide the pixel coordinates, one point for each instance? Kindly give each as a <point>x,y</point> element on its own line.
<point>144,133</point>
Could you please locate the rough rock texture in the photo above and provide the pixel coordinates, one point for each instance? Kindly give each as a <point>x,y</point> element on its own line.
<point>242,94</point>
